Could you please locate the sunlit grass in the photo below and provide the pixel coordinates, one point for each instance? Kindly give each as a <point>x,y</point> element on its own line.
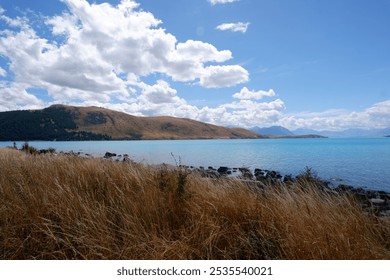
<point>65,207</point>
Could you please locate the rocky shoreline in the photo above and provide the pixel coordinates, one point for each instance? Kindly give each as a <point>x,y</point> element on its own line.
<point>374,201</point>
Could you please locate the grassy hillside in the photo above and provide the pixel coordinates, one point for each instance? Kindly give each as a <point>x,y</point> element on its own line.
<point>64,207</point>
<point>60,122</point>
<point>123,126</point>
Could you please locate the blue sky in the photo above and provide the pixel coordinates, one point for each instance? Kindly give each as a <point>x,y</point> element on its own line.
<point>297,63</point>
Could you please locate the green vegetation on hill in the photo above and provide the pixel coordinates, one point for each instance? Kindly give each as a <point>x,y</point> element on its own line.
<point>53,123</point>
<point>60,122</point>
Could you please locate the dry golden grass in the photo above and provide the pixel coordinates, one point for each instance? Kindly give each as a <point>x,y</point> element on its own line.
<point>63,207</point>
<point>124,126</point>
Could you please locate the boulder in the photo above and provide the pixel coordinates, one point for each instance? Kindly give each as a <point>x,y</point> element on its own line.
<point>109,155</point>
<point>223,170</point>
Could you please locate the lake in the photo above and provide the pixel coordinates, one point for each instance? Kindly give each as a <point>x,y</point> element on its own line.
<point>356,161</point>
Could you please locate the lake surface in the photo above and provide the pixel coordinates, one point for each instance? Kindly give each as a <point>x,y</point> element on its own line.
<point>359,162</point>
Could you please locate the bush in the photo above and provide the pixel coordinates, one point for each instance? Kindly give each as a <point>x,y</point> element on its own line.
<point>29,149</point>
<point>309,175</point>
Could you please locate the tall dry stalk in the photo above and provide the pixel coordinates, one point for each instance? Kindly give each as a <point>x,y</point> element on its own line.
<point>64,207</point>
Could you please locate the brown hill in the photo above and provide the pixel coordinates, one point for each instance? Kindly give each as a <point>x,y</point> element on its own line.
<point>60,122</point>
<point>120,125</point>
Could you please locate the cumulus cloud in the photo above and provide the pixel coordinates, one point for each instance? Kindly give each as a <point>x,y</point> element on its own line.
<point>244,113</point>
<point>223,76</point>
<point>375,116</point>
<point>3,73</point>
<point>16,97</point>
<point>159,93</point>
<point>18,22</point>
<point>98,42</point>
<point>215,2</point>
<point>235,27</point>
<point>202,52</point>
<point>245,93</point>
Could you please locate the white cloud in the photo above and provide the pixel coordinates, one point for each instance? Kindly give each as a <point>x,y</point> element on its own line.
<point>376,116</point>
<point>18,22</point>
<point>15,97</point>
<point>245,113</point>
<point>159,93</point>
<point>185,63</point>
<point>215,2</point>
<point>223,76</point>
<point>98,43</point>
<point>235,27</point>
<point>203,52</point>
<point>63,25</point>
<point>3,73</point>
<point>245,93</point>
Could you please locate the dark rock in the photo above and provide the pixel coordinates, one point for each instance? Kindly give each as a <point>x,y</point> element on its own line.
<point>343,188</point>
<point>288,178</point>
<point>223,170</point>
<point>259,172</point>
<point>109,155</point>
<point>244,169</point>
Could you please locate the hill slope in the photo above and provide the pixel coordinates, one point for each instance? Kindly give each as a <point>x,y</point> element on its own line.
<point>273,130</point>
<point>282,132</point>
<point>59,122</point>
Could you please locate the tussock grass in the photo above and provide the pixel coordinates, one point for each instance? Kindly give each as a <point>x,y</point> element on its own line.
<point>64,207</point>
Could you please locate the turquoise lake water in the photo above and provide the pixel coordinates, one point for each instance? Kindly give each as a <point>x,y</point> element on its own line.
<point>361,162</point>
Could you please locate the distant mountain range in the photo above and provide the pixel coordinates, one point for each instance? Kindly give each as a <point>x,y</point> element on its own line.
<point>348,132</point>
<point>59,122</point>
<point>282,131</point>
